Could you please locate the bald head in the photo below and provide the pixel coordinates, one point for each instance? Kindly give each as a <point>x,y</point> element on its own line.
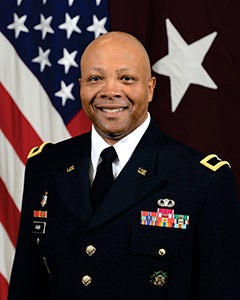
<point>121,41</point>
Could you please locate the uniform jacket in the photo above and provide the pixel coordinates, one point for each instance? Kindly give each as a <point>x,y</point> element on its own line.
<point>129,248</point>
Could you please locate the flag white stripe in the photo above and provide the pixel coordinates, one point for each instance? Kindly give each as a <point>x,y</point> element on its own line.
<point>29,95</point>
<point>11,170</point>
<point>7,251</point>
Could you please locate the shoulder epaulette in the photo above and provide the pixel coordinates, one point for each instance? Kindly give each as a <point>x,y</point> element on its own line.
<point>36,150</point>
<point>213,162</point>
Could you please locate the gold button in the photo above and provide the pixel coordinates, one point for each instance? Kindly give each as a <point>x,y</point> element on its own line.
<point>86,280</point>
<point>90,250</point>
<point>161,252</point>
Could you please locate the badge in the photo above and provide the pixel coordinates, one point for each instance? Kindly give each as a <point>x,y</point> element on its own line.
<point>39,227</point>
<point>158,279</point>
<point>166,202</point>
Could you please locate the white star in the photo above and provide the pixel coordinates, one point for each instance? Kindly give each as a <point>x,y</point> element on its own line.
<point>19,2</point>
<point>44,26</point>
<point>68,60</point>
<point>183,64</point>
<point>44,1</point>
<point>42,58</point>
<point>98,2</point>
<point>98,26</point>
<point>18,25</point>
<point>70,25</point>
<point>65,92</point>
<point>70,2</point>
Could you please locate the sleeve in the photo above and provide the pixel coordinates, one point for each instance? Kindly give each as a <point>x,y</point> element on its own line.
<point>217,261</point>
<point>29,278</point>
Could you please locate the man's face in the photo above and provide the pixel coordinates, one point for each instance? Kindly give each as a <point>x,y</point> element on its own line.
<point>116,88</point>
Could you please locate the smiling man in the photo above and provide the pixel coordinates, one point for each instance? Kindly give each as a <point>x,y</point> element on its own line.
<point>116,85</point>
<point>125,212</point>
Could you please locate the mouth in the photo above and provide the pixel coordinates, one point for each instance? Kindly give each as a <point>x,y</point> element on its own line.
<point>112,110</point>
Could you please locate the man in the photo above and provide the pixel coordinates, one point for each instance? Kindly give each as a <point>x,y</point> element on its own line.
<point>168,226</point>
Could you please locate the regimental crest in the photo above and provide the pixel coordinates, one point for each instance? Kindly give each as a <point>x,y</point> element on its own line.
<point>44,199</point>
<point>158,279</point>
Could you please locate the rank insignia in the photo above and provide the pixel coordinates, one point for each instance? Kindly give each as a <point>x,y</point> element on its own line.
<point>213,162</point>
<point>158,279</point>
<point>166,202</point>
<point>44,199</point>
<point>40,214</point>
<point>164,218</point>
<point>36,150</point>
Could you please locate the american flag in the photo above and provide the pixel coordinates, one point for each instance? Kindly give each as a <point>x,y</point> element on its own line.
<point>41,43</point>
<point>194,49</point>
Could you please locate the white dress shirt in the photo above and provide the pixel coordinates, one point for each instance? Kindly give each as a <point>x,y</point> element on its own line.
<point>124,148</point>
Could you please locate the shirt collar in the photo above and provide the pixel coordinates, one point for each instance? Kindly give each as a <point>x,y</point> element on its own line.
<point>129,142</point>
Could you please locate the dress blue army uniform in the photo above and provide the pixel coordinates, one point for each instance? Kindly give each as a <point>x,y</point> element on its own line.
<point>167,229</point>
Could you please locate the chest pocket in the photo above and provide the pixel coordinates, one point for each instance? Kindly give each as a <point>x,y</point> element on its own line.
<point>159,243</point>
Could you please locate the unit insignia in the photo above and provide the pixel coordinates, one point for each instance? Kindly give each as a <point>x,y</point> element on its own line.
<point>44,199</point>
<point>158,279</point>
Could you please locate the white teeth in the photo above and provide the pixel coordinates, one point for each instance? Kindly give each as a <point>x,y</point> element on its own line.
<point>112,110</point>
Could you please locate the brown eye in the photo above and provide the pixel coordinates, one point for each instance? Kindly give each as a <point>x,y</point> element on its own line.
<point>127,78</point>
<point>94,78</point>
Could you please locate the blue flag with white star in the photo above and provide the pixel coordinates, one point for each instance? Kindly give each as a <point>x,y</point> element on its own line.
<point>194,52</point>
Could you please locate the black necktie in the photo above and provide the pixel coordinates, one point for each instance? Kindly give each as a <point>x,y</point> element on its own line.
<point>104,176</point>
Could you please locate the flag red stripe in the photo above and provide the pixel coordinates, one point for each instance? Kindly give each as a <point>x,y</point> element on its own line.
<point>9,214</point>
<point>79,124</point>
<point>15,126</point>
<point>4,287</point>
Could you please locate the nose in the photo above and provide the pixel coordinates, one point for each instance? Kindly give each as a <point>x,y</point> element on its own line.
<point>110,89</point>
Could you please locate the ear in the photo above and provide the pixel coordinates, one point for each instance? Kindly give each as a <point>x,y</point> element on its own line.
<point>151,87</point>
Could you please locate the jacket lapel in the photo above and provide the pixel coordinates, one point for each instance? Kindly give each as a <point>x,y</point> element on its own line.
<point>137,180</point>
<point>72,181</point>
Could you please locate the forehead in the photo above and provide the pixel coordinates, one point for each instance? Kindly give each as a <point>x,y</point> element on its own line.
<point>112,52</point>
<point>115,39</point>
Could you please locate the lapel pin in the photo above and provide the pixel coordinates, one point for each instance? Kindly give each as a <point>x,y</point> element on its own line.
<point>166,202</point>
<point>44,199</point>
<point>142,171</point>
<point>70,169</point>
